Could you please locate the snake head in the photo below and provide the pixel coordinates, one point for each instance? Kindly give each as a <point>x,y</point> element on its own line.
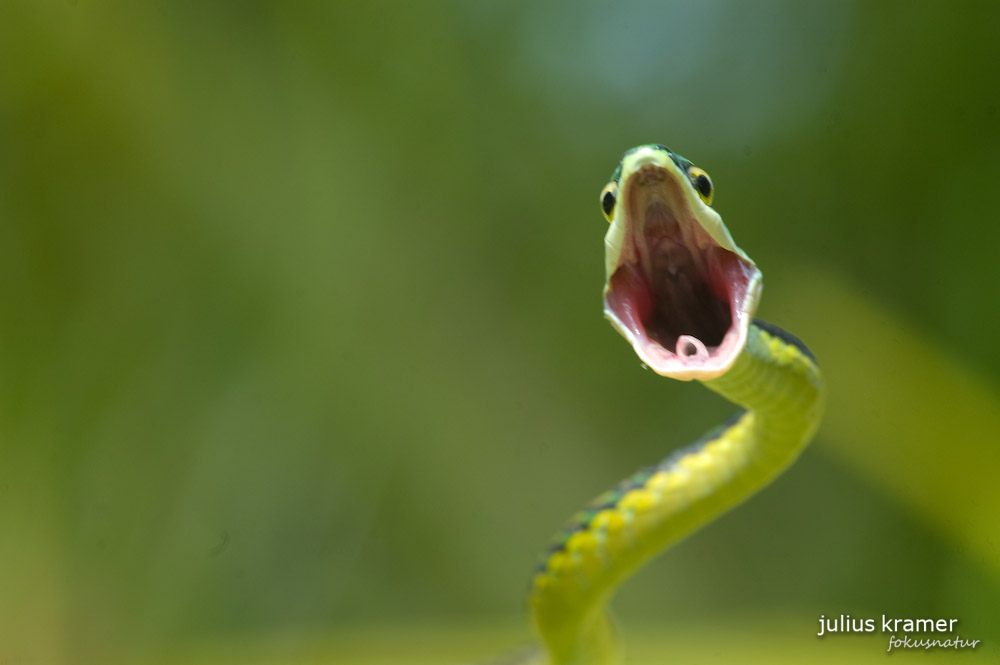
<point>678,288</point>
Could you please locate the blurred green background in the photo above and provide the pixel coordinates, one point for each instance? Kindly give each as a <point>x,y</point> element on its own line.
<point>301,349</point>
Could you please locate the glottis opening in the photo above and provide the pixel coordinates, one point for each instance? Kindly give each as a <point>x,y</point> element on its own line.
<point>676,294</point>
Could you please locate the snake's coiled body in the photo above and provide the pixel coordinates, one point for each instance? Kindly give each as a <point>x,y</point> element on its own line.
<point>662,219</point>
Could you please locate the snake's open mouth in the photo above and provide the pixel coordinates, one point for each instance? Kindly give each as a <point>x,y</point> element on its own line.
<point>682,300</point>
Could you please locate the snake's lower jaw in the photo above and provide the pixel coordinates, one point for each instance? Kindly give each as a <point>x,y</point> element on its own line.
<point>689,323</point>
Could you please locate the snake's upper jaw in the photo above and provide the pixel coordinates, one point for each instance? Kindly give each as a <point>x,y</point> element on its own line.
<point>683,300</point>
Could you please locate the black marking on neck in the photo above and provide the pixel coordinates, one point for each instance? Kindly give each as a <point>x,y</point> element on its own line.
<point>581,521</point>
<point>786,337</point>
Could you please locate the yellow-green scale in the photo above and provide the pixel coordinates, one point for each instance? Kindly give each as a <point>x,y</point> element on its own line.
<point>782,389</point>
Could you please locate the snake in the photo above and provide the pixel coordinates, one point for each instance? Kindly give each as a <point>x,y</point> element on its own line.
<point>684,295</point>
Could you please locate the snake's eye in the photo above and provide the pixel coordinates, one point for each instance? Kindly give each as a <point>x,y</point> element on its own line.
<point>702,183</point>
<point>608,197</point>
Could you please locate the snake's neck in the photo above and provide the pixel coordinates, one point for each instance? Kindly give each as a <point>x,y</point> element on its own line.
<point>777,380</point>
<point>778,383</point>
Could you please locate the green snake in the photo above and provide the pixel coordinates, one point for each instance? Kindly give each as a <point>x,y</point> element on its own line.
<point>684,295</point>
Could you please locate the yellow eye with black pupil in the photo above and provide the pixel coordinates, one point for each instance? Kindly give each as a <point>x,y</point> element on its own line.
<point>609,195</point>
<point>702,183</point>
